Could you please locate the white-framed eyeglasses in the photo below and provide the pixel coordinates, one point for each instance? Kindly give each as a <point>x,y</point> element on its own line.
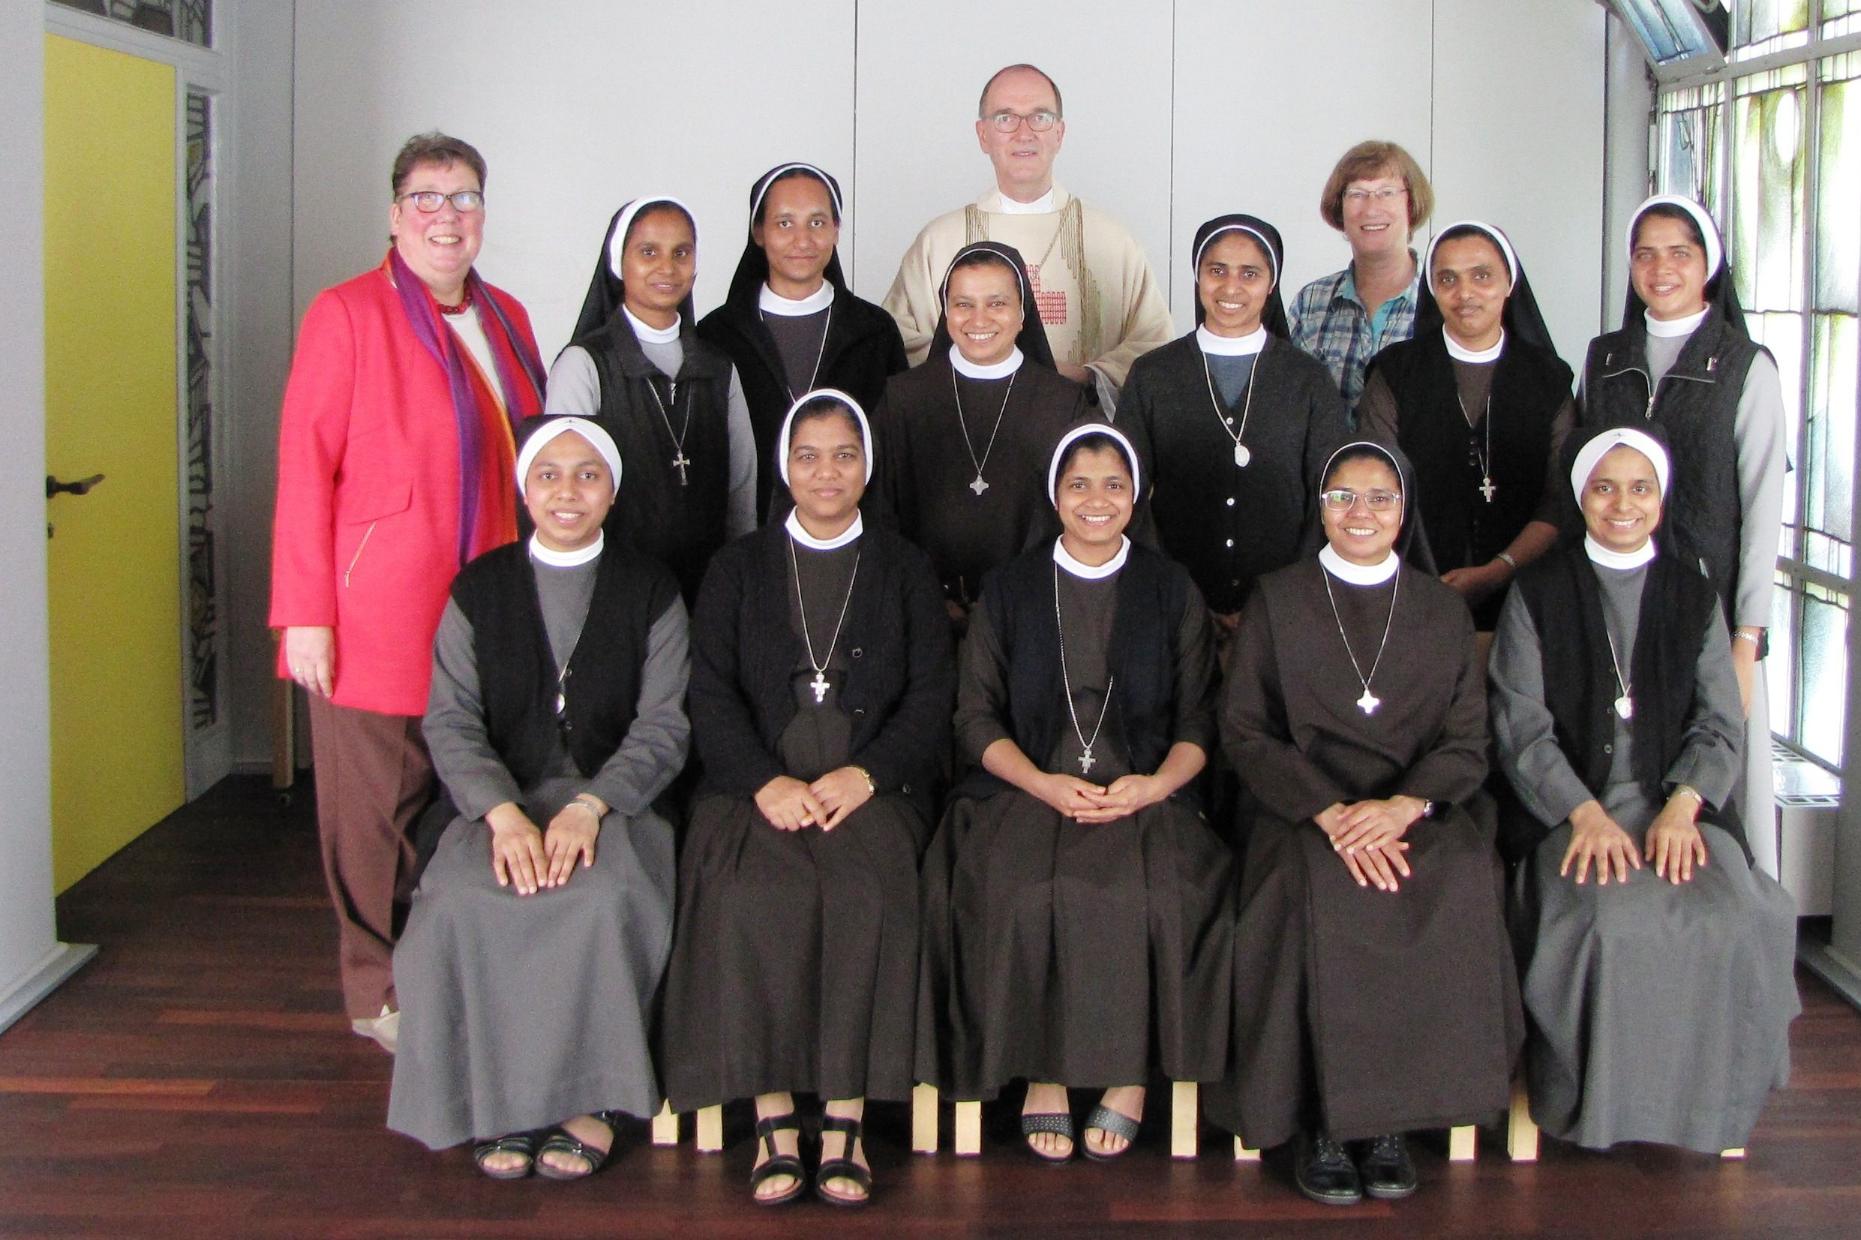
<point>1343,499</point>
<point>1040,120</point>
<point>429,200</point>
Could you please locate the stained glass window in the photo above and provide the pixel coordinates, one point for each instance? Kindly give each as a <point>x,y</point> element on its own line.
<point>203,618</point>
<point>188,20</point>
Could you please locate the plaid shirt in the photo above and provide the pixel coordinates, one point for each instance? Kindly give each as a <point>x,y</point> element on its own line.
<point>1330,323</point>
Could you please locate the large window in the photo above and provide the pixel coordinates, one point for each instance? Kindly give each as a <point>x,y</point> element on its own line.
<point>1772,143</point>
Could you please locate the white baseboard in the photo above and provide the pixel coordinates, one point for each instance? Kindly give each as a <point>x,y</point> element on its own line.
<point>41,979</point>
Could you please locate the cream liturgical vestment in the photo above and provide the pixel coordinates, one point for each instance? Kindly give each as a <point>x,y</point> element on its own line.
<point>1098,299</point>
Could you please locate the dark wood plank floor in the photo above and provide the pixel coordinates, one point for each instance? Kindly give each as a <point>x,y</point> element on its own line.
<point>197,1079</point>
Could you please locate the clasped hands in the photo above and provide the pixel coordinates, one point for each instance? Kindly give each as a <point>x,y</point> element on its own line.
<point>1674,845</point>
<point>529,859</point>
<point>1083,801</point>
<point>790,805</point>
<point>1367,836</point>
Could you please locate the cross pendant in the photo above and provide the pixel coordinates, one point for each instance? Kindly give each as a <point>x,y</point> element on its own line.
<point>1368,702</point>
<point>680,463</point>
<point>979,486</point>
<point>1487,488</point>
<point>1086,760</point>
<point>819,685</point>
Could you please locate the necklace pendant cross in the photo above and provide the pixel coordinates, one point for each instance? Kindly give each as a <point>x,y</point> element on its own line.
<point>819,685</point>
<point>979,485</point>
<point>1487,488</point>
<point>681,462</point>
<point>1368,702</point>
<point>1086,760</point>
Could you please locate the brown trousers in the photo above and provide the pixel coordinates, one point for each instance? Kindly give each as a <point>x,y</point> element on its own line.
<point>373,779</point>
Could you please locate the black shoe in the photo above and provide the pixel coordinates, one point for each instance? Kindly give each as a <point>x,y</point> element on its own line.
<point>1324,1172</point>
<point>1388,1171</point>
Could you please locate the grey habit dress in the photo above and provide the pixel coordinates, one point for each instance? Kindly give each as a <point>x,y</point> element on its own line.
<point>1359,1011</point>
<point>1658,1012</point>
<point>518,1012</point>
<point>1090,954</point>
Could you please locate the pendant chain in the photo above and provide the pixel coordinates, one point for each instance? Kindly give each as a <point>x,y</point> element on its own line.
<point>819,683</point>
<point>980,484</point>
<point>1066,685</point>
<point>1369,701</point>
<point>826,326</point>
<point>1241,454</point>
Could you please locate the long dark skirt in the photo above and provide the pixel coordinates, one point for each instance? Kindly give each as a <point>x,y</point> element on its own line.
<point>1088,954</point>
<point>795,965</point>
<point>1365,1012</point>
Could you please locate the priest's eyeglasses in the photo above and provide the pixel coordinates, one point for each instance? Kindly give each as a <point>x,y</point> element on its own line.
<point>1040,120</point>
<point>429,200</point>
<point>1343,499</point>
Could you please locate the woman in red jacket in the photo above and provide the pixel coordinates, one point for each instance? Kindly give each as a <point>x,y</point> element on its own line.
<point>395,467</point>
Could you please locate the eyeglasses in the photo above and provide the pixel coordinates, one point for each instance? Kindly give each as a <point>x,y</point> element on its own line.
<point>428,200</point>
<point>1343,499</point>
<point>1039,121</point>
<point>1383,197</point>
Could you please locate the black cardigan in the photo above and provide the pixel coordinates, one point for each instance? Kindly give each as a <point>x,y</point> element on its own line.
<point>900,684</point>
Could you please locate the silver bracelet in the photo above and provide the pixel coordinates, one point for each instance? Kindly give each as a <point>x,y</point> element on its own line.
<point>1510,562</point>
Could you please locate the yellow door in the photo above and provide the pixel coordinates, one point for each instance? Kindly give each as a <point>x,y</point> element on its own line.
<point>113,563</point>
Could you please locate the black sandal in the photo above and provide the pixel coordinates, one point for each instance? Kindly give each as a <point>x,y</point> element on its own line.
<point>843,1167</point>
<point>777,1164</point>
<point>1118,1124</point>
<point>511,1143</point>
<point>1060,1122</point>
<point>562,1141</point>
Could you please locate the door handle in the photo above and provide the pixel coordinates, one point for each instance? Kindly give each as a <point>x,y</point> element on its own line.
<point>81,487</point>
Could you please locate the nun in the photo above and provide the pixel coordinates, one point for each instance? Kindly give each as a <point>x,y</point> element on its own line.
<point>1682,363</point>
<point>1077,906</point>
<point>1375,991</point>
<point>790,324</point>
<point>1234,422</point>
<point>1480,402</point>
<point>671,401</point>
<point>1658,970</point>
<point>823,721</point>
<point>541,926</point>
<point>962,437</point>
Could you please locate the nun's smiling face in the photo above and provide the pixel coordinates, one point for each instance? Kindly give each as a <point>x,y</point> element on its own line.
<point>1621,501</point>
<point>983,308</point>
<point>658,264</point>
<point>1094,497</point>
<point>568,490</point>
<point>798,234</point>
<point>826,471</point>
<point>1668,267</point>
<point>1233,282</point>
<point>1471,282</point>
<point>1361,508</point>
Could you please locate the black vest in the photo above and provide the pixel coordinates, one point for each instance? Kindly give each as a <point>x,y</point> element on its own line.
<point>1579,674</point>
<point>679,525</point>
<point>1152,592</point>
<point>1529,386</point>
<point>517,675</point>
<point>1696,407</point>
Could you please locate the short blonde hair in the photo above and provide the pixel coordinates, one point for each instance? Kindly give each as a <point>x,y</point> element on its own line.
<point>1371,159</point>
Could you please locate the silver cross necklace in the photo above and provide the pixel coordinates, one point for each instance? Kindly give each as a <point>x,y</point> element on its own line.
<point>819,683</point>
<point>1369,701</point>
<point>980,484</point>
<point>1085,758</point>
<point>680,461</point>
<point>1484,459</point>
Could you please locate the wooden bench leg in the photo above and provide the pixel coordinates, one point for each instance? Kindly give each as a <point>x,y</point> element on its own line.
<point>665,1126</point>
<point>969,1128</point>
<point>710,1130</point>
<point>1521,1133</point>
<point>1243,1154</point>
<point>924,1119</point>
<point>1184,1117</point>
<point>1462,1143</point>
<point>1736,1153</point>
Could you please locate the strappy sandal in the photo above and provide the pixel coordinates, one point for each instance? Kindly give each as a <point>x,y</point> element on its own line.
<point>511,1143</point>
<point>1041,1121</point>
<point>562,1141</point>
<point>1118,1124</point>
<point>843,1167</point>
<point>777,1164</point>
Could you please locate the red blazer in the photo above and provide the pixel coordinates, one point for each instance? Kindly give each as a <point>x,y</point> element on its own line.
<point>366,533</point>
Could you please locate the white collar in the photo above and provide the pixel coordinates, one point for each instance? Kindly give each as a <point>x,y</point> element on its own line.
<point>997,370</point>
<point>648,334</point>
<point>1231,346</point>
<point>565,559</point>
<point>1673,327</point>
<point>771,302</point>
<point>1601,555</point>
<point>799,532</point>
<point>1359,574</point>
<point>1461,353</point>
<point>1091,572</point>
<point>1042,205</point>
